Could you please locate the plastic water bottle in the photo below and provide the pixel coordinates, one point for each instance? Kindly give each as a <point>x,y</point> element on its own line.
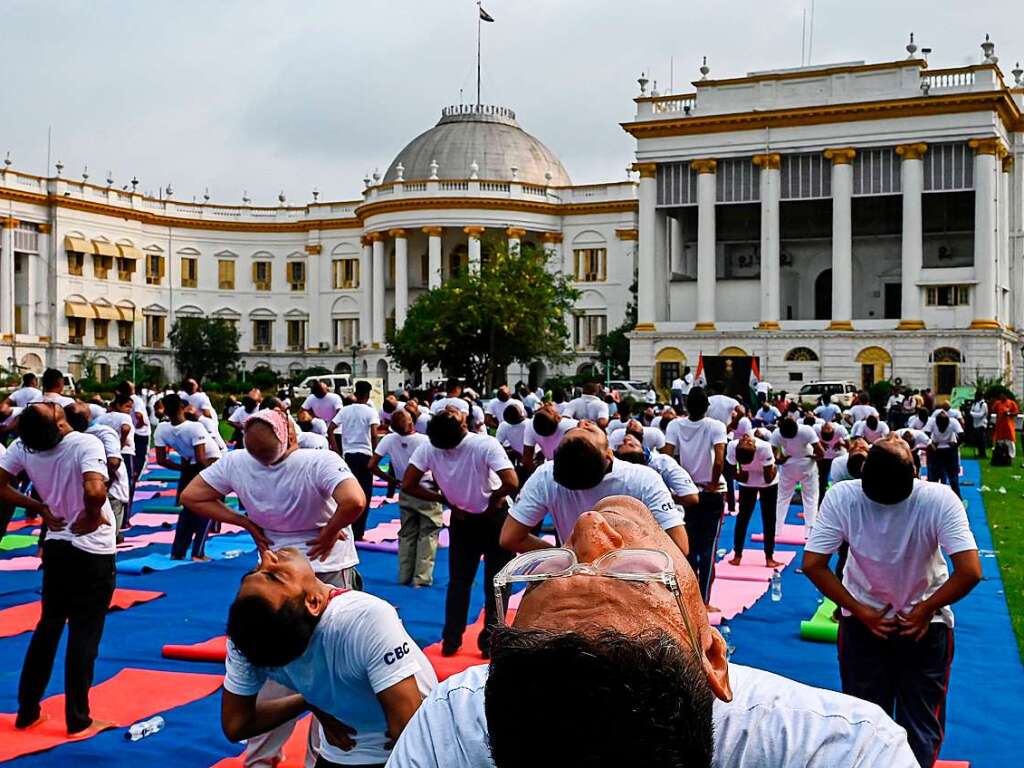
<point>776,586</point>
<point>721,553</point>
<point>231,554</point>
<point>145,728</point>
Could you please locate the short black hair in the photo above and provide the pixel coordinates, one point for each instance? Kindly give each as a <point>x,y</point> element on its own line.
<point>270,402</point>
<point>871,421</point>
<point>38,428</point>
<point>268,637</point>
<point>444,430</point>
<point>363,389</point>
<point>579,464</point>
<point>51,378</point>
<point>124,388</point>
<point>888,476</point>
<point>744,454</point>
<point>78,420</point>
<point>645,695</point>
<point>173,403</point>
<point>855,464</point>
<point>543,424</point>
<point>28,380</point>
<point>121,398</point>
<point>697,403</point>
<point>512,414</point>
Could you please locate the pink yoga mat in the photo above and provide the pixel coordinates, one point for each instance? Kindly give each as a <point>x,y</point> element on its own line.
<point>790,534</point>
<point>26,563</point>
<point>153,519</point>
<point>144,495</point>
<point>733,597</point>
<point>383,532</point>
<point>752,568</point>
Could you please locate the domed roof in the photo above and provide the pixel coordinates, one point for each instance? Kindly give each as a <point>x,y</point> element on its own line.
<point>486,135</point>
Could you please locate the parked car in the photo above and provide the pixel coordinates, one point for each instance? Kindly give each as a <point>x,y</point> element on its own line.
<point>634,389</point>
<point>839,392</point>
<point>335,382</point>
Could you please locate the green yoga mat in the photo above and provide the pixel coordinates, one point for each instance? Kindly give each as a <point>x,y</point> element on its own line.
<point>17,541</point>
<point>821,628</point>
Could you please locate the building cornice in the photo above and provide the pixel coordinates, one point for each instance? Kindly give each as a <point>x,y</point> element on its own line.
<point>378,208</point>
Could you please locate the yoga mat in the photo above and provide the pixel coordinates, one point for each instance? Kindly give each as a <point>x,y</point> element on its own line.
<point>752,568</point>
<point>25,563</point>
<point>376,502</point>
<point>17,525</point>
<point>24,617</point>
<point>820,628</point>
<point>147,483</point>
<point>378,546</point>
<point>383,532</point>
<point>952,764</point>
<point>733,597</point>
<point>159,509</point>
<point>467,656</point>
<point>790,534</point>
<point>215,548</point>
<point>153,519</point>
<point>17,541</point>
<point>127,697</point>
<point>294,750</point>
<point>143,495</point>
<point>214,649</point>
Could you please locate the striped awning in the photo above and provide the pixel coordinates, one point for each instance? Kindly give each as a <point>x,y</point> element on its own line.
<point>128,314</point>
<point>129,251</point>
<point>76,244</point>
<point>106,312</point>
<point>78,309</point>
<point>103,248</point>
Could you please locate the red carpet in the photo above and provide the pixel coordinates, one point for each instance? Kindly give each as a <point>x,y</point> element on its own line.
<point>24,617</point>
<point>214,649</point>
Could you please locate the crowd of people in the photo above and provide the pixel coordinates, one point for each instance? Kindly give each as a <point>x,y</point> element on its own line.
<point>547,490</point>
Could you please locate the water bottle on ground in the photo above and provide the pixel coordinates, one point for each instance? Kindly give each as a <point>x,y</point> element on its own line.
<point>231,554</point>
<point>776,586</point>
<point>145,728</point>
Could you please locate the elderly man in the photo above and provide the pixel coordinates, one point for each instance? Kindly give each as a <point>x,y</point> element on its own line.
<point>610,662</point>
<point>896,630</point>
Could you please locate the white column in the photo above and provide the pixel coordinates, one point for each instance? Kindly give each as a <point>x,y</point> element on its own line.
<point>515,237</point>
<point>553,250</point>
<point>377,238</point>
<point>366,291</point>
<point>646,268</point>
<point>31,266</point>
<point>676,246</point>
<point>770,246</point>
<point>912,244</point>
<point>7,277</point>
<point>401,276</point>
<point>474,248</point>
<point>433,256</point>
<point>706,257</point>
<point>1004,296</point>
<point>318,327</point>
<point>985,223</point>
<point>842,237</point>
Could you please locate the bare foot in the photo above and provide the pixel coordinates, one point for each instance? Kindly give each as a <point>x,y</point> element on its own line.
<point>96,726</point>
<point>713,609</point>
<point>772,563</point>
<point>34,724</point>
<point>736,560</point>
<point>201,559</point>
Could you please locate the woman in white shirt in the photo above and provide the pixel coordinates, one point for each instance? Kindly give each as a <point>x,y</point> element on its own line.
<point>754,464</point>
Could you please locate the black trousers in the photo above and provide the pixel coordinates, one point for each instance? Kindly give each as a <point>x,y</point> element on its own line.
<point>729,474</point>
<point>981,440</point>
<point>472,536</point>
<point>907,679</point>
<point>824,468</point>
<point>703,524</point>
<point>748,496</point>
<point>944,467</point>
<point>191,528</point>
<point>77,587</point>
<point>359,463</point>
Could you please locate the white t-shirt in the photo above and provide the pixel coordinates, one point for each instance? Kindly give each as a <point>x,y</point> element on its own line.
<point>139,407</point>
<point>239,415</point>
<point>743,427</point>
<point>117,421</point>
<point>213,431</point>
<point>677,384</point>
<point>654,438</point>
<point>511,435</point>
<point>676,479</point>
<point>763,457</point>
<point>979,413</point>
<point>55,397</point>
<point>22,396</point>
<point>95,411</point>
<point>531,402</point>
<point>798,448</point>
<point>118,488</point>
<point>312,441</point>
<point>895,557</point>
<point>355,421</point>
<point>768,417</point>
<point>54,476</point>
<point>358,649</point>
<point>827,411</point>
<point>919,437</point>
<point>439,405</point>
<point>589,407</point>
<point>496,408</point>
<point>547,443</point>
<point>201,402</point>
<point>914,422</point>
<point>834,447</point>
<point>541,495</point>
<point>720,408</point>
<point>400,449</point>
<point>771,721</point>
<point>184,437</point>
<point>694,443</point>
<point>325,407</point>
<point>291,500</point>
<point>861,429</point>
<point>422,421</point>
<point>860,412</point>
<point>947,438</point>
<point>839,471</point>
<point>466,474</point>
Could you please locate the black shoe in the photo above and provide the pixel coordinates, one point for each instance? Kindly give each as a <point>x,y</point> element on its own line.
<point>485,652</point>
<point>449,649</point>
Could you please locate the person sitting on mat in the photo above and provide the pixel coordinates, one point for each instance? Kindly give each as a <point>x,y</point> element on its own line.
<point>610,662</point>
<point>345,654</point>
<point>757,476</point>
<point>68,471</point>
<point>896,631</point>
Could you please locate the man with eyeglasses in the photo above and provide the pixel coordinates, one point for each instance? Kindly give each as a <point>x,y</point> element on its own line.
<point>610,661</point>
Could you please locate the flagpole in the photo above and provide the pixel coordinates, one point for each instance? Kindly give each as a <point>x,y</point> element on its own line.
<point>479,18</point>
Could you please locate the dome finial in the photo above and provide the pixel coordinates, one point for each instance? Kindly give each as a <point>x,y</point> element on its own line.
<point>704,69</point>
<point>515,172</point>
<point>433,170</point>
<point>988,48</point>
<point>911,47</point>
<point>400,170</point>
<point>474,170</point>
<point>642,80</point>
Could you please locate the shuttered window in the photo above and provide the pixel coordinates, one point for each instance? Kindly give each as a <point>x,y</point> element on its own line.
<point>948,168</point>
<point>676,185</point>
<point>737,180</point>
<point>876,172</point>
<point>261,275</point>
<point>226,274</point>
<point>805,177</point>
<point>296,272</point>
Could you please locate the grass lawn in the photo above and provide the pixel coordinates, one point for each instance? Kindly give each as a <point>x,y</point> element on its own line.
<point>1005,514</point>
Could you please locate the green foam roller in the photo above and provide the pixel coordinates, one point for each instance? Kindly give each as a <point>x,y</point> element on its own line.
<point>17,541</point>
<point>821,628</point>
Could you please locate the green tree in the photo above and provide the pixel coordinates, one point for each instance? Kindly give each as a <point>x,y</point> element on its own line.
<point>204,348</point>
<point>613,347</point>
<point>476,325</point>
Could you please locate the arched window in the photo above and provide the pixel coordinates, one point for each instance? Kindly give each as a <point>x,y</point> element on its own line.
<point>946,374</point>
<point>668,365</point>
<point>873,362</point>
<point>801,355</point>
<point>734,352</point>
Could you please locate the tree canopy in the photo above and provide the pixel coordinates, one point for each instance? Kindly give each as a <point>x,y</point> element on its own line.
<point>476,325</point>
<point>204,347</point>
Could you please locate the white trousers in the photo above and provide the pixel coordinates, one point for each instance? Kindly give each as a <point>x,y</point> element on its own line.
<point>805,473</point>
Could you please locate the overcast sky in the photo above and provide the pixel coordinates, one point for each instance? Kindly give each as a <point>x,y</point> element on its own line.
<point>271,96</point>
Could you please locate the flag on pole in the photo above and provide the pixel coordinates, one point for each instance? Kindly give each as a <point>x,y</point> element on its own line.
<point>484,15</point>
<point>699,379</point>
<point>755,379</point>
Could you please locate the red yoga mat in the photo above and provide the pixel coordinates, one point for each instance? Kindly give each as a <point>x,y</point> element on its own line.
<point>24,617</point>
<point>952,764</point>
<point>214,649</point>
<point>294,749</point>
<point>129,696</point>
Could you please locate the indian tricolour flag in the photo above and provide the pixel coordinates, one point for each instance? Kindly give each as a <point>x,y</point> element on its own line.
<point>755,379</point>
<point>699,379</point>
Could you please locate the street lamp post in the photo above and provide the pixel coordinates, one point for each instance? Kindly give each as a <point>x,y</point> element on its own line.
<point>242,366</point>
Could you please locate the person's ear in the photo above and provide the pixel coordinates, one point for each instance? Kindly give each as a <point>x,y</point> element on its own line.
<point>316,602</point>
<point>716,666</point>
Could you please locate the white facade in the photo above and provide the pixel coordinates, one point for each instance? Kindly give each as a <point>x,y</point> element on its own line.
<point>98,270</point>
<point>852,221</point>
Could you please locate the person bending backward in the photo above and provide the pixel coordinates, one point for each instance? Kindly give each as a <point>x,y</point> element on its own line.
<point>475,478</point>
<point>292,497</point>
<point>870,428</point>
<point>344,653</point>
<point>583,472</point>
<point>322,403</point>
<point>944,450</point>
<point>680,485</point>
<point>610,662</point>
<point>421,519</point>
<point>68,470</point>
<point>756,475</point>
<point>118,488</point>
<point>698,444</point>
<point>357,422</point>
<point>834,440</point>
<point>195,451</point>
<point>797,453</point>
<point>544,431</point>
<point>896,631</point>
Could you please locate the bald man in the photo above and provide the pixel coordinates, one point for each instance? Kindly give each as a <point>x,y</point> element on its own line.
<point>896,629</point>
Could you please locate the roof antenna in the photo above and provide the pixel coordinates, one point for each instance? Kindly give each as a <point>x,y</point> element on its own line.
<point>810,36</point>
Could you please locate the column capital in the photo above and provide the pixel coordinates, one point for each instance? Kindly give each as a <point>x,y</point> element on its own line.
<point>769,161</point>
<point>432,231</point>
<point>990,146</point>
<point>704,327</point>
<point>627,234</point>
<point>840,155</point>
<point>515,232</point>
<point>314,250</point>
<point>646,170</point>
<point>769,325</point>
<point>473,231</point>
<point>551,237</point>
<point>910,325</point>
<point>397,233</point>
<point>44,228</point>
<point>985,325</point>
<point>704,166</point>
<point>1007,167</point>
<point>375,237</point>
<point>912,151</point>
<point>9,222</point>
<point>840,325</point>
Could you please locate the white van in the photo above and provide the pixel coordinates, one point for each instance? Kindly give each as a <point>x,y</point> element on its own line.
<point>336,382</point>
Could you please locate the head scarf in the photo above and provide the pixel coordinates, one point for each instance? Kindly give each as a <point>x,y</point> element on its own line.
<point>278,422</point>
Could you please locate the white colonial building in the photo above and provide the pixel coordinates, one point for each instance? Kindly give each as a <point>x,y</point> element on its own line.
<point>97,269</point>
<point>851,221</point>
